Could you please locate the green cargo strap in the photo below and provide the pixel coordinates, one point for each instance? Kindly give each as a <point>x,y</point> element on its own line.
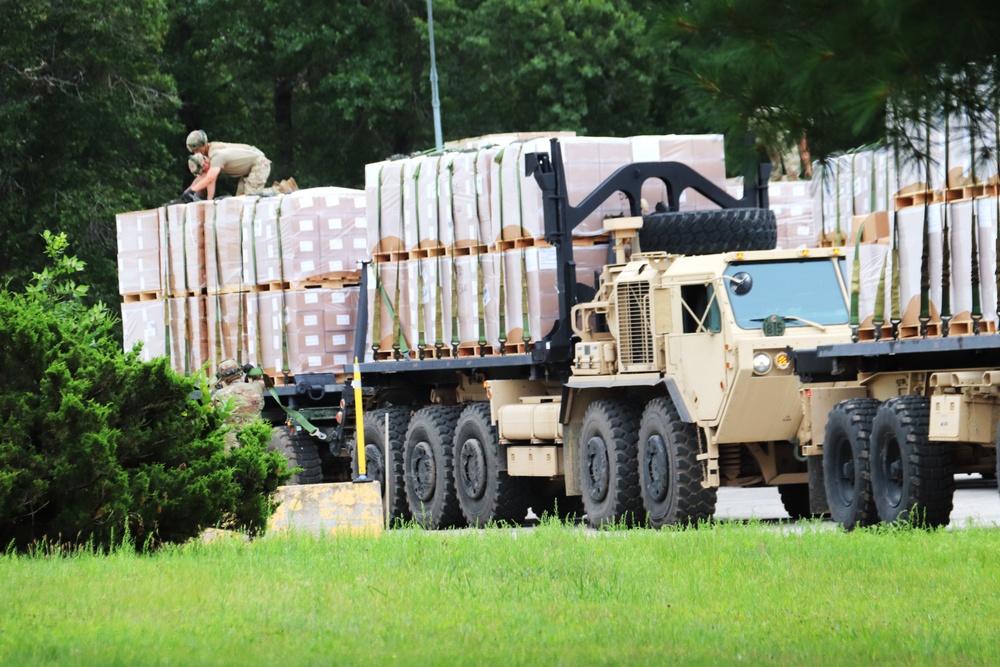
<point>376,307</point>
<point>856,285</point>
<point>285,363</point>
<point>481,323</point>
<point>525,324</point>
<point>438,296</point>
<point>838,236</point>
<point>421,339</point>
<point>259,341</point>
<point>189,334</point>
<point>925,272</point>
<point>945,238</point>
<point>218,284</point>
<point>996,198</point>
<point>878,316</point>
<point>501,296</point>
<point>977,307</point>
<point>455,340</point>
<point>894,315</point>
<point>295,415</point>
<point>164,222</point>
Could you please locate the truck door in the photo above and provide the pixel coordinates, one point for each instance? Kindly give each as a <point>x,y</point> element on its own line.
<point>697,354</point>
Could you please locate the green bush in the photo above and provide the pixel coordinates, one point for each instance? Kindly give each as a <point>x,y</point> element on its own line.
<point>97,446</point>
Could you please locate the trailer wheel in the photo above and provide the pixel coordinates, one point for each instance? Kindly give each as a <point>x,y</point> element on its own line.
<point>670,474</point>
<point>709,232</point>
<point>609,473</point>
<point>429,465</point>
<point>795,500</point>
<point>912,478</point>
<point>485,493</point>
<point>300,451</point>
<point>846,451</point>
<point>393,488</point>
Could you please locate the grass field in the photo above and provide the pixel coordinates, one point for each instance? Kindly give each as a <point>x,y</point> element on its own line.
<point>554,595</point>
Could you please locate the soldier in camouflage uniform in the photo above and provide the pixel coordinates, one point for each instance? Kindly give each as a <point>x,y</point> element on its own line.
<point>242,161</point>
<point>246,399</point>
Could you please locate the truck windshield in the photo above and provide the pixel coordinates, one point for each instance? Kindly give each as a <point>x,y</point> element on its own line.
<point>803,290</point>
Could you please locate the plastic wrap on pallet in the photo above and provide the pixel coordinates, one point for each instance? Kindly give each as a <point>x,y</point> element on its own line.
<point>188,334</point>
<point>434,298</point>
<point>911,224</point>
<point>143,322</point>
<point>427,225</point>
<point>792,204</point>
<point>465,186</point>
<point>185,243</point>
<point>396,307</point>
<point>223,244</point>
<point>139,252</point>
<point>960,227</point>
<point>872,257</point>
<point>226,319</point>
<point>383,197</point>
<point>307,236</point>
<point>705,153</point>
<point>303,331</point>
<point>533,272</point>
<point>502,139</point>
<point>477,291</point>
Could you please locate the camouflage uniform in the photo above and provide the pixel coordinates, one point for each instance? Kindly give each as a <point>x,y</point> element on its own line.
<point>247,401</point>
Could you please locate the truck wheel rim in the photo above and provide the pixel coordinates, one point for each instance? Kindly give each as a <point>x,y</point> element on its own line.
<point>472,473</point>
<point>597,472</point>
<point>891,463</point>
<point>657,468</point>
<point>844,482</point>
<point>424,471</point>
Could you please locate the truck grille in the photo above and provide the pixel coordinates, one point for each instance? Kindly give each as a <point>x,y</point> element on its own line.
<point>635,330</point>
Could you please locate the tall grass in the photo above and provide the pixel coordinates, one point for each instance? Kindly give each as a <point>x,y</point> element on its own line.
<point>554,595</point>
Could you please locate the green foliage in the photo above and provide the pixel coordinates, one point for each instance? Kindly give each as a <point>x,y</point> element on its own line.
<point>96,446</point>
<point>829,69</point>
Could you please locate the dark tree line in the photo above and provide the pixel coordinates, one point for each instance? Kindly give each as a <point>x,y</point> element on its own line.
<point>96,96</point>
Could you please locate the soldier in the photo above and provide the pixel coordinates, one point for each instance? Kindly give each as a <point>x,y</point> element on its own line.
<point>246,399</point>
<point>241,161</point>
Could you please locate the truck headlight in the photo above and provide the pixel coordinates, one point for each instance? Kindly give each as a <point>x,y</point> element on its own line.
<point>761,363</point>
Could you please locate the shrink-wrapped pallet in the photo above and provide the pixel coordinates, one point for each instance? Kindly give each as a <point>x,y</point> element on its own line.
<point>910,222</point>
<point>477,293</point>
<point>960,223</point>
<point>226,319</point>
<point>143,322</point>
<point>391,317</point>
<point>188,334</point>
<point>184,259</point>
<point>435,299</point>
<point>139,252</point>
<point>384,203</point>
<point>705,153</point>
<point>426,225</point>
<point>532,274</point>
<point>224,244</point>
<point>466,184</point>
<point>304,331</point>
<point>792,204</point>
<point>308,236</point>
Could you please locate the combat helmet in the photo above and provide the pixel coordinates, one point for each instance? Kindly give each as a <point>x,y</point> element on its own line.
<point>196,140</point>
<point>195,163</point>
<point>227,370</point>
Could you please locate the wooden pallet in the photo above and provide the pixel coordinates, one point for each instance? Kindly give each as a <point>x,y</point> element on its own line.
<point>476,350</point>
<point>427,253</point>
<point>142,296</point>
<point>179,294</point>
<point>470,250</point>
<point>352,280</point>
<point>290,381</point>
<point>917,198</point>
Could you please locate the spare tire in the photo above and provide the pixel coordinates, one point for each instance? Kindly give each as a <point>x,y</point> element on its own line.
<point>709,232</point>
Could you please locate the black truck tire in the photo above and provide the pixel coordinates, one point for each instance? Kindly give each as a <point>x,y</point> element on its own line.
<point>393,486</point>
<point>913,479</point>
<point>609,471</point>
<point>486,494</point>
<point>300,451</point>
<point>709,232</point>
<point>795,500</point>
<point>428,461</point>
<point>670,474</point>
<point>846,451</point>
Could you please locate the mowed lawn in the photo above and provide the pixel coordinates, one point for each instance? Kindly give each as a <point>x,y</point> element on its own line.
<point>554,595</point>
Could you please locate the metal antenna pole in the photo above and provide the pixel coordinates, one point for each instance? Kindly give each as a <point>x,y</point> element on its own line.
<point>435,100</point>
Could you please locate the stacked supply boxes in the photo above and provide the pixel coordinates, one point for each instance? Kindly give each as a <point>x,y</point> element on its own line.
<point>457,237</point>
<point>207,281</point>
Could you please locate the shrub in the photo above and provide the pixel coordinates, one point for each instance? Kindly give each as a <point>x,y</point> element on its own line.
<point>97,446</point>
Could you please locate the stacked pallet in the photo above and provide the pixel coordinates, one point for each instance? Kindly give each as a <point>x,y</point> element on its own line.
<point>457,237</point>
<point>867,195</point>
<point>267,281</point>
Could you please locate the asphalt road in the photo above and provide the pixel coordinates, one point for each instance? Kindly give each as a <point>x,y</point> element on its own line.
<point>976,503</point>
